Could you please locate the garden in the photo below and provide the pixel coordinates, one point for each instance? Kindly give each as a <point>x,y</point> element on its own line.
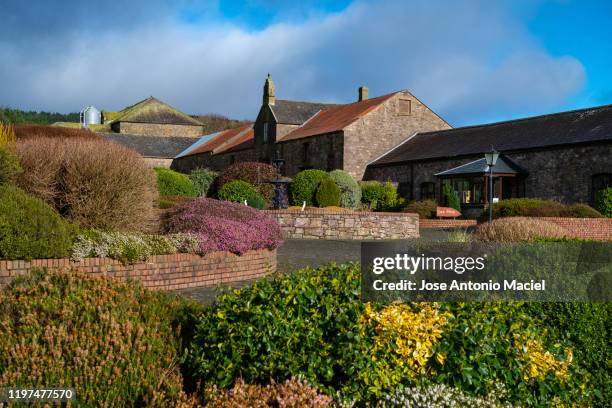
<point>290,340</point>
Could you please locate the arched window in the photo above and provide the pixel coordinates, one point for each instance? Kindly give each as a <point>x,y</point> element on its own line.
<point>428,190</point>
<point>600,182</point>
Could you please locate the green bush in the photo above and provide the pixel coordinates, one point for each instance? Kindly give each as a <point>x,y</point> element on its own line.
<point>237,191</point>
<point>304,186</point>
<point>202,180</point>
<point>9,166</point>
<point>30,229</point>
<point>537,207</point>
<point>603,202</point>
<point>451,197</point>
<point>425,208</point>
<point>350,191</point>
<point>256,201</point>
<point>328,194</point>
<point>115,343</point>
<point>378,196</point>
<point>255,173</point>
<point>173,183</point>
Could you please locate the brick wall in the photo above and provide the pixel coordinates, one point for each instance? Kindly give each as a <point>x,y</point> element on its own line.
<point>321,224</point>
<point>164,272</point>
<point>155,129</point>
<point>585,228</point>
<point>432,224</point>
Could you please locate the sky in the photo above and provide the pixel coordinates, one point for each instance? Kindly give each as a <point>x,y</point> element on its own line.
<point>470,61</point>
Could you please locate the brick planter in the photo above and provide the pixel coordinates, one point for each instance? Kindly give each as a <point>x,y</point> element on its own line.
<point>322,224</point>
<point>443,224</point>
<point>164,272</point>
<point>585,228</point>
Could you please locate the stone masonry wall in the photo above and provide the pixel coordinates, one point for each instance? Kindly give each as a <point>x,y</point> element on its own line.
<point>325,152</point>
<point>154,129</point>
<point>383,129</point>
<point>164,272</point>
<point>321,224</point>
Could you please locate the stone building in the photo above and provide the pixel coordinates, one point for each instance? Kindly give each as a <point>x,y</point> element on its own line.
<point>563,156</point>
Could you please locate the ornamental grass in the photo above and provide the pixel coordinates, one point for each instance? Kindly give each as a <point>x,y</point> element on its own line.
<point>517,229</point>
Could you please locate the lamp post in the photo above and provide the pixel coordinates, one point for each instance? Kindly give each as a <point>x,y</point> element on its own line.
<point>491,159</point>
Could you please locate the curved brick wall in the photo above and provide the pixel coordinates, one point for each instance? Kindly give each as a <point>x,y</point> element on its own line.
<point>322,224</point>
<point>165,272</point>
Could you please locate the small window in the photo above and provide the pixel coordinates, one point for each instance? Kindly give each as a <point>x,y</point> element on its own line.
<point>305,147</point>
<point>232,159</point>
<point>428,190</point>
<point>600,182</point>
<point>404,107</point>
<point>265,132</point>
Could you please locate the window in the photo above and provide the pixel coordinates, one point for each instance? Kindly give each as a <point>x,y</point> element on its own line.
<point>305,147</point>
<point>428,190</point>
<point>265,132</point>
<point>404,107</point>
<point>232,159</point>
<point>600,182</point>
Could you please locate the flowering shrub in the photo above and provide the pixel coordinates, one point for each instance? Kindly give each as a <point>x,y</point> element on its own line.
<point>131,248</point>
<point>257,174</point>
<point>350,190</point>
<point>114,343</point>
<point>517,229</point>
<point>292,393</point>
<point>443,396</point>
<point>223,226</point>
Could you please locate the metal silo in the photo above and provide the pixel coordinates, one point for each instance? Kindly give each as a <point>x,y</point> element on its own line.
<point>91,116</point>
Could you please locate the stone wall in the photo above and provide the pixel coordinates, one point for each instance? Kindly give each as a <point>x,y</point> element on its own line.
<point>158,162</point>
<point>154,129</point>
<point>322,224</point>
<point>323,152</point>
<point>164,272</point>
<point>585,228</point>
<point>216,162</point>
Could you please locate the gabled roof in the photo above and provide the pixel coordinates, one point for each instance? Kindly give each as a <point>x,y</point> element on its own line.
<point>335,118</point>
<point>503,165</point>
<point>242,141</point>
<point>578,126</point>
<point>296,112</point>
<point>215,140</point>
<point>152,110</point>
<point>150,146</point>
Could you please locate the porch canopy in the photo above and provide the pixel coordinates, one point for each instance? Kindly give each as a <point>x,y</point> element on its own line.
<point>470,180</point>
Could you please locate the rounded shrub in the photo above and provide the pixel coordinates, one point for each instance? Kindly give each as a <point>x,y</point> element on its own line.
<point>425,208</point>
<point>517,229</point>
<point>114,343</point>
<point>91,181</point>
<point>350,191</point>
<point>173,183</point>
<point>257,174</point>
<point>30,228</point>
<point>223,226</point>
<point>202,180</point>
<point>256,201</point>
<point>237,191</point>
<point>9,166</point>
<point>328,193</point>
<point>304,186</point>
<point>537,207</point>
<point>603,202</point>
<point>378,196</point>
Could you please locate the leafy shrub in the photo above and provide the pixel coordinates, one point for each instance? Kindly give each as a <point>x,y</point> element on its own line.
<point>603,202</point>
<point>223,226</point>
<point>173,183</point>
<point>328,193</point>
<point>459,236</point>
<point>537,207</point>
<point>378,196</point>
<point>202,180</point>
<point>29,131</point>
<point>130,248</point>
<point>256,201</point>
<point>425,208</point>
<point>304,186</point>
<point>443,396</point>
<point>292,393</point>
<point>349,188</point>
<point>237,191</point>
<point>257,174</point>
<point>93,182</point>
<point>29,228</point>
<point>516,229</point>
<point>451,197</point>
<point>114,343</point>
<point>9,166</point>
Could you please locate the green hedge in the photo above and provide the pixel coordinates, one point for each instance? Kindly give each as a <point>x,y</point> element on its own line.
<point>328,194</point>
<point>350,190</point>
<point>9,166</point>
<point>304,186</point>
<point>537,207</point>
<point>603,202</point>
<point>29,228</point>
<point>173,183</point>
<point>378,196</point>
<point>237,191</point>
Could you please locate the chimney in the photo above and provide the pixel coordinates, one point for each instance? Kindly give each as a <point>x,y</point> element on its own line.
<point>363,93</point>
<point>268,94</point>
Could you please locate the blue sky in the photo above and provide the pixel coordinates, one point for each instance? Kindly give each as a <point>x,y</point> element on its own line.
<point>471,61</point>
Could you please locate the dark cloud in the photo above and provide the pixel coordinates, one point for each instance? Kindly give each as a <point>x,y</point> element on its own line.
<point>466,60</point>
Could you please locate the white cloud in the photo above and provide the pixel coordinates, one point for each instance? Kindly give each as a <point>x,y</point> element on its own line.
<point>465,61</point>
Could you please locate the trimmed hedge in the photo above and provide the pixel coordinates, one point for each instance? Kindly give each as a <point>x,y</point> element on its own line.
<point>9,166</point>
<point>328,194</point>
<point>305,185</point>
<point>350,191</point>
<point>603,202</point>
<point>29,228</point>
<point>237,191</point>
<point>378,196</point>
<point>517,229</point>
<point>203,180</point>
<point>537,207</point>
<point>257,174</point>
<point>173,183</point>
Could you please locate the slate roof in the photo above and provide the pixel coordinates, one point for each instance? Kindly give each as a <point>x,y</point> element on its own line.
<point>578,126</point>
<point>296,112</point>
<point>215,140</point>
<point>152,110</point>
<point>335,118</point>
<point>503,165</point>
<point>151,146</point>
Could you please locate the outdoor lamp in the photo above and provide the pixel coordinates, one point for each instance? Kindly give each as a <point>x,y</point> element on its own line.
<point>491,159</point>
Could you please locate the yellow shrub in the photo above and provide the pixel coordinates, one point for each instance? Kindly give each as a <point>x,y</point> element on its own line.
<point>538,362</point>
<point>7,134</point>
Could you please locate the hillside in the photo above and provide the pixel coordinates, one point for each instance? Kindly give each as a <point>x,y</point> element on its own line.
<point>17,116</point>
<point>214,123</point>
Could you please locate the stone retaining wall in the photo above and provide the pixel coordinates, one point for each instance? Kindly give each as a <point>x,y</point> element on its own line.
<point>442,224</point>
<point>322,224</point>
<point>585,228</point>
<point>165,272</point>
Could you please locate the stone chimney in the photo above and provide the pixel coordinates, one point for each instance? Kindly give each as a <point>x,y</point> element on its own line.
<point>268,94</point>
<point>363,93</point>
